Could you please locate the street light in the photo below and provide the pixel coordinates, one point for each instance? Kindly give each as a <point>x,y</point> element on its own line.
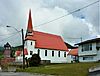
<point>22,44</point>
<point>13,28</point>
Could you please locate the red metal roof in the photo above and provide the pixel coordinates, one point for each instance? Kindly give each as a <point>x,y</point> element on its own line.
<point>47,41</point>
<point>73,52</point>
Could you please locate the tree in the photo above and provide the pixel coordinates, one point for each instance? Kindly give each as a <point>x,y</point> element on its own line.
<point>34,60</point>
<point>1,55</point>
<point>12,53</point>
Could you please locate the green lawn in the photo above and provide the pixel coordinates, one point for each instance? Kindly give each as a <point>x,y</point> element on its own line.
<point>75,69</point>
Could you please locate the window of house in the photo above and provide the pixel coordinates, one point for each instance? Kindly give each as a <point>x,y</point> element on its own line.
<point>45,52</point>
<point>58,53</point>
<point>87,47</point>
<point>7,47</point>
<point>52,53</point>
<point>88,58</point>
<point>64,54</point>
<point>97,45</point>
<point>38,51</point>
<point>31,43</point>
<point>31,52</point>
<point>90,46</point>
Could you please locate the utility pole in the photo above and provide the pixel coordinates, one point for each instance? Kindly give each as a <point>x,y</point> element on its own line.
<point>81,39</point>
<point>23,49</point>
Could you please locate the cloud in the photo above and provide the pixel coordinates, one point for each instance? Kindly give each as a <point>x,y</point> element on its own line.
<point>16,14</point>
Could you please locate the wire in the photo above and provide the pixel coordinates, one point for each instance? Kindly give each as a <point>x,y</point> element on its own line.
<point>10,33</point>
<point>7,37</point>
<point>68,14</point>
<point>73,38</point>
<point>57,19</point>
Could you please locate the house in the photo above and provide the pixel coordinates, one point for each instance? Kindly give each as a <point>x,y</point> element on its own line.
<point>7,55</point>
<point>48,46</point>
<point>72,56</point>
<point>19,55</point>
<point>89,50</point>
<point>7,50</point>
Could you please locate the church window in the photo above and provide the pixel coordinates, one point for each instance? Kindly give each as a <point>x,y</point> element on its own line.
<point>58,53</point>
<point>52,53</point>
<point>45,52</point>
<point>64,54</point>
<point>31,52</point>
<point>31,43</point>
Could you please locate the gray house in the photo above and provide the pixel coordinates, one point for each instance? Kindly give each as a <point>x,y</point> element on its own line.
<point>89,50</point>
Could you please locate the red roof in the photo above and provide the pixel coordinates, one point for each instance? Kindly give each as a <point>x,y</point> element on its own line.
<point>47,41</point>
<point>29,27</point>
<point>18,52</point>
<point>73,52</point>
<point>25,52</point>
<point>44,40</point>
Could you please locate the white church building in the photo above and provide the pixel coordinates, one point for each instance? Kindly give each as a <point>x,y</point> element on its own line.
<point>48,46</point>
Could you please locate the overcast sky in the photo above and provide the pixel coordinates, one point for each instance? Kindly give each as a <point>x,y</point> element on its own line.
<point>84,23</point>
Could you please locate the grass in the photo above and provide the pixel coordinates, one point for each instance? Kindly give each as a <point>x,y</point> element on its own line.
<point>75,69</point>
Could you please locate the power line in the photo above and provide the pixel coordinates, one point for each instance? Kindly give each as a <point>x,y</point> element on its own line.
<point>10,33</point>
<point>68,13</point>
<point>8,37</point>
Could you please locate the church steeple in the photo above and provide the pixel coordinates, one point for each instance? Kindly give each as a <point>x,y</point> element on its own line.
<point>29,26</point>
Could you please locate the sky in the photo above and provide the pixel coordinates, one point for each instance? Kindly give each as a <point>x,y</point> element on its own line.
<point>81,24</point>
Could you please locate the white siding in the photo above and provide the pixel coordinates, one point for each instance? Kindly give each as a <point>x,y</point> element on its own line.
<point>90,52</point>
<point>98,55</point>
<point>69,59</point>
<point>53,59</point>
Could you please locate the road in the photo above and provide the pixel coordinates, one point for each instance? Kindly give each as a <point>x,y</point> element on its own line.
<point>96,73</point>
<point>19,74</point>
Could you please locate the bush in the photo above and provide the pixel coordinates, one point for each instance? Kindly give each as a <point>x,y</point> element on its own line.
<point>34,60</point>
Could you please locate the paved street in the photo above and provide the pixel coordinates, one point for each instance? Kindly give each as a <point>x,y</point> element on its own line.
<point>19,74</point>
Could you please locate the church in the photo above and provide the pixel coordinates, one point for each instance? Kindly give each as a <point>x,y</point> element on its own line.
<point>48,46</point>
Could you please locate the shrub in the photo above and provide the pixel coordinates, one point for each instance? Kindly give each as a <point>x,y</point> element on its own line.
<point>34,60</point>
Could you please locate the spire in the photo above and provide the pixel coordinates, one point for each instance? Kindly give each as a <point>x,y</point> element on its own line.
<point>29,28</point>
